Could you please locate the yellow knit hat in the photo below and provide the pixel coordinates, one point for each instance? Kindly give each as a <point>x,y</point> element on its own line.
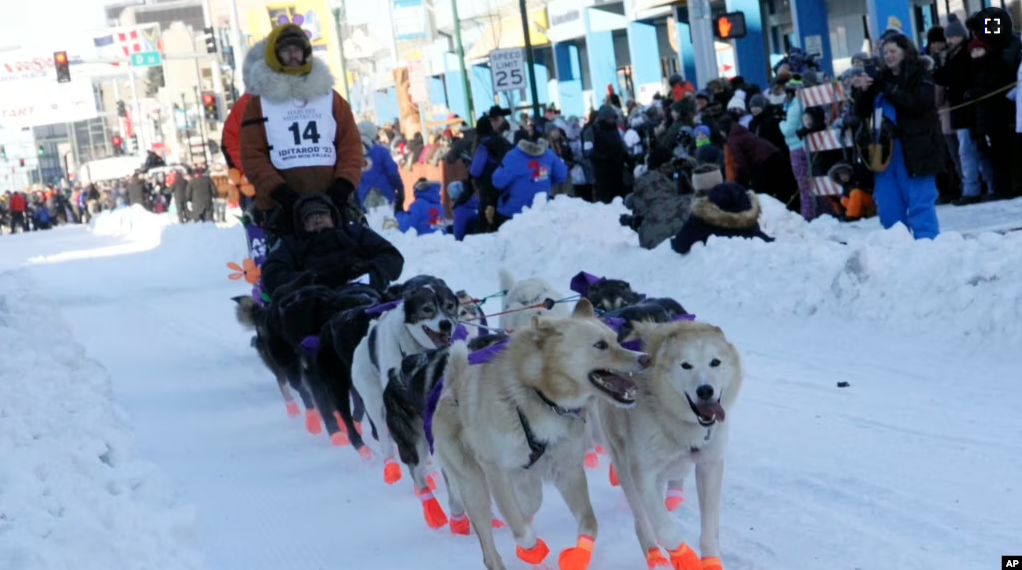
<point>288,34</point>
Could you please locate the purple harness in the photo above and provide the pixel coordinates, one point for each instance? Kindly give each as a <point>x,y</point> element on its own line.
<point>474,359</point>
<point>615,323</point>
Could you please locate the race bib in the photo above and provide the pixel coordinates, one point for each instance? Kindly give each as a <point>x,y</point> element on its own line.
<point>301,133</point>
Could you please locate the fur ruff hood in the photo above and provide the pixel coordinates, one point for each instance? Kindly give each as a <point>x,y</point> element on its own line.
<point>537,148</point>
<point>704,208</point>
<point>261,80</point>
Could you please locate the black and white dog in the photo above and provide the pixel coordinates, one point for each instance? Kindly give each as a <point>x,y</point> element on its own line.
<point>424,319</point>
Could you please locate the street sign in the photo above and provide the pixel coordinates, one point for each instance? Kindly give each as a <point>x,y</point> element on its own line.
<point>507,68</point>
<point>730,26</point>
<point>146,59</point>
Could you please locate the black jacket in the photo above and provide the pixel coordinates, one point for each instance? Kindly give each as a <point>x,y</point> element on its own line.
<point>180,189</point>
<point>956,76</point>
<point>135,192</point>
<point>336,256</point>
<point>991,73</point>
<point>912,93</point>
<point>201,192</point>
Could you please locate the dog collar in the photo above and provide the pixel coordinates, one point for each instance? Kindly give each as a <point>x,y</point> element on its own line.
<point>568,413</point>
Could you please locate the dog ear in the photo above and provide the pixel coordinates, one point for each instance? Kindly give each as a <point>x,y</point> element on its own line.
<point>584,309</point>
<point>240,298</point>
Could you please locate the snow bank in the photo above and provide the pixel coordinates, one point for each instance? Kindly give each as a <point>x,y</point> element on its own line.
<point>966,287</point>
<point>131,222</point>
<point>71,494</point>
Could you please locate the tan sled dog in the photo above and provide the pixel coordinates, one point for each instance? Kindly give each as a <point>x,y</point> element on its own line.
<point>678,417</point>
<point>503,426</point>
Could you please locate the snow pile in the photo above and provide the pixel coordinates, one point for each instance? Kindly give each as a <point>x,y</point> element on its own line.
<point>132,222</point>
<point>964,287</point>
<point>71,494</point>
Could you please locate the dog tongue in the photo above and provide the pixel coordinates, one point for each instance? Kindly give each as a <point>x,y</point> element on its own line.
<point>620,384</point>
<point>711,410</point>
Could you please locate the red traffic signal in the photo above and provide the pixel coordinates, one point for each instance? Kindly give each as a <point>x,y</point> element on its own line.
<point>730,26</point>
<point>60,63</point>
<point>208,99</point>
<point>116,141</point>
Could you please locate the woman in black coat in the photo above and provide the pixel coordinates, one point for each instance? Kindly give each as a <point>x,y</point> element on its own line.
<point>900,106</point>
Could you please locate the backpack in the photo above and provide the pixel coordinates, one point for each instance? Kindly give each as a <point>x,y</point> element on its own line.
<point>875,144</point>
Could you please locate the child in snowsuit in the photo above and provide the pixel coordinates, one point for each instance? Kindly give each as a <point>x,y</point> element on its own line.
<point>856,197</point>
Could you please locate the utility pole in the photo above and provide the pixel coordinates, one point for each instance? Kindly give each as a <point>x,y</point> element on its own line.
<point>136,113</point>
<point>214,64</point>
<point>702,41</point>
<point>530,59</point>
<point>238,43</point>
<point>338,15</point>
<point>470,119</point>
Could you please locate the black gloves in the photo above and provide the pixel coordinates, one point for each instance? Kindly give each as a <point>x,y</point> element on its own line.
<point>286,197</point>
<point>281,222</point>
<point>339,193</point>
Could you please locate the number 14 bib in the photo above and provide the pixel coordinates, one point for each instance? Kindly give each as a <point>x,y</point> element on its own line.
<point>301,133</point>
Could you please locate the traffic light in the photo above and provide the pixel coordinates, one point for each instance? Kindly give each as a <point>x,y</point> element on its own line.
<point>118,144</point>
<point>3,152</point>
<point>21,162</point>
<point>60,63</point>
<point>42,150</point>
<point>210,40</point>
<point>730,26</point>
<point>134,142</point>
<point>122,111</point>
<point>209,105</point>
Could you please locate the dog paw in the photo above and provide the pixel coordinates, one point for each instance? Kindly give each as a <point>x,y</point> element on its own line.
<point>712,563</point>
<point>684,558</point>
<point>391,472</point>
<point>460,525</point>
<point>312,422</point>
<point>535,555</point>
<point>339,439</point>
<point>656,559</point>
<point>292,409</point>
<point>675,499</point>
<point>432,511</point>
<point>614,482</point>
<point>579,557</point>
<point>366,453</point>
<point>592,460</point>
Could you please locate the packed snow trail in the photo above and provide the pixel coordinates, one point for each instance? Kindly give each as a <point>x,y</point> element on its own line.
<point>913,466</point>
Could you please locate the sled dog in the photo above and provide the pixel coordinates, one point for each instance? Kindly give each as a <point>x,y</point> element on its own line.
<point>502,427</point>
<point>679,416</point>
<point>424,320</point>
<point>526,293</point>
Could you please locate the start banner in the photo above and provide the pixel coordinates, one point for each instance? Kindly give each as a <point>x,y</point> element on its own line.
<point>30,95</point>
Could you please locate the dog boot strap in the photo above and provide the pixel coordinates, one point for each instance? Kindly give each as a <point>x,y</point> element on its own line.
<point>579,557</point>
<point>535,555</point>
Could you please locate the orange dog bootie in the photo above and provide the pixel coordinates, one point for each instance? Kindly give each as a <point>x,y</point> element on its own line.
<point>675,498</point>
<point>312,422</point>
<point>684,558</point>
<point>391,472</point>
<point>535,555</point>
<point>432,511</point>
<point>579,557</point>
<point>656,559</point>
<point>460,525</point>
<point>292,408</point>
<point>712,563</point>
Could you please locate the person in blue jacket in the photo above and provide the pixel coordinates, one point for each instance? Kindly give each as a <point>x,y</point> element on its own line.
<point>529,169</point>
<point>381,182</point>
<point>490,148</point>
<point>426,214</point>
<point>466,209</point>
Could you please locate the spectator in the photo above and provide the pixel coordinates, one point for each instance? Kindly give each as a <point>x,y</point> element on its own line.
<point>136,191</point>
<point>659,209</point>
<point>905,140</point>
<point>991,75</point>
<point>528,170</point>
<point>381,181</point>
<point>726,210</point>
<point>200,193</point>
<point>759,164</point>
<point>465,204</point>
<point>426,214</point>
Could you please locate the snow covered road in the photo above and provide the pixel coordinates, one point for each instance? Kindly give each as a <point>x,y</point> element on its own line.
<point>915,465</point>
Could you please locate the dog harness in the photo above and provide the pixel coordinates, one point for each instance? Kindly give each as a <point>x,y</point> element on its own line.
<point>615,323</point>
<point>538,448</point>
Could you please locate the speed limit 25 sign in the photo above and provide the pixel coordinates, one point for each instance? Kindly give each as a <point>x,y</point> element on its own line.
<point>507,67</point>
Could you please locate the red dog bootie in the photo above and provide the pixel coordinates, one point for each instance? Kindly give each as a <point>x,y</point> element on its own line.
<point>432,511</point>
<point>535,555</point>
<point>312,422</point>
<point>592,459</point>
<point>366,453</point>
<point>656,559</point>
<point>684,558</point>
<point>391,471</point>
<point>675,498</point>
<point>613,477</point>
<point>460,525</point>
<point>579,557</point>
<point>292,408</point>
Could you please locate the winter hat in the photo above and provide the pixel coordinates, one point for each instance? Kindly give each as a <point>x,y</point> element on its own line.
<point>288,35</point>
<point>927,62</point>
<point>838,169</point>
<point>955,28</point>
<point>455,190</point>
<point>861,56</point>
<point>737,101</point>
<point>658,157</point>
<point>369,132</point>
<point>935,35</point>
<point>706,176</point>
<point>759,100</point>
<point>312,207</point>
<point>702,130</point>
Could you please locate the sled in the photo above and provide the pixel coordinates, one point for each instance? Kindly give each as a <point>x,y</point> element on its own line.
<point>251,268</point>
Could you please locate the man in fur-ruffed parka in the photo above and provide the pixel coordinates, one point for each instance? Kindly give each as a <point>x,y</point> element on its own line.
<point>298,135</point>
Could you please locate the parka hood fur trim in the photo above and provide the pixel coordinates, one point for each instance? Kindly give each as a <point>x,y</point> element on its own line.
<point>537,148</point>
<point>706,210</point>
<point>275,87</point>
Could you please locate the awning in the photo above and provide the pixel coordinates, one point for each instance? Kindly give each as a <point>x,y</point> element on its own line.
<point>507,33</point>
